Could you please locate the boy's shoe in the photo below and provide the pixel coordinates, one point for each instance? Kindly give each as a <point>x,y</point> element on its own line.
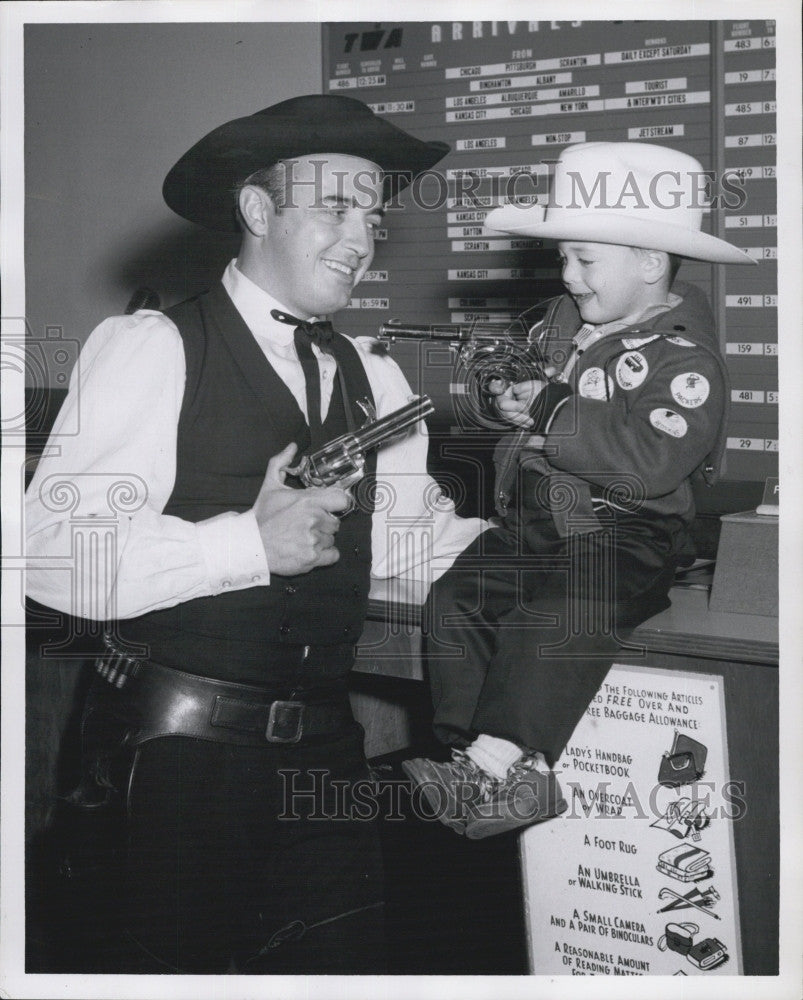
<point>475,804</point>
<point>445,786</point>
<point>529,794</point>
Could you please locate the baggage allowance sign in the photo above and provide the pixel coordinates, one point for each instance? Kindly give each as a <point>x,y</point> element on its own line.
<point>638,877</point>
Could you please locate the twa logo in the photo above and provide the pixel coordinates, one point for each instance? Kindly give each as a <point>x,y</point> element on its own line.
<point>370,41</point>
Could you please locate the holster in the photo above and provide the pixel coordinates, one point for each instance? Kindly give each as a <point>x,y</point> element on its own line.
<point>90,820</point>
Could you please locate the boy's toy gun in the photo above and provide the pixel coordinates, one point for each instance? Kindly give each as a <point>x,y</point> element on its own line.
<point>482,353</point>
<point>341,461</point>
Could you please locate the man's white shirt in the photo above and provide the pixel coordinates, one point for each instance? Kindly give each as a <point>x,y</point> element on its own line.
<point>125,399</point>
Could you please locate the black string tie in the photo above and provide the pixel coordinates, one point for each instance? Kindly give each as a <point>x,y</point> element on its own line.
<point>320,333</point>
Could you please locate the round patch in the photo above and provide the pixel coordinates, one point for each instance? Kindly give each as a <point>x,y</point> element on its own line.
<point>680,341</point>
<point>592,384</point>
<point>669,422</point>
<point>631,370</point>
<point>690,389</point>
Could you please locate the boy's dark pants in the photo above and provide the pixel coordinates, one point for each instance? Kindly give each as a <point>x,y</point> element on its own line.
<point>520,635</point>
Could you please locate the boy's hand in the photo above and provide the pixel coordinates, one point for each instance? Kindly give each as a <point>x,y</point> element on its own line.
<point>513,402</point>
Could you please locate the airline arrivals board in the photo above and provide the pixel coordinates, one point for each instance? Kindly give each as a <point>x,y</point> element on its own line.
<point>508,97</point>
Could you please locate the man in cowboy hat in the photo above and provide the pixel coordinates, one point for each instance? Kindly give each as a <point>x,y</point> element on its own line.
<point>220,718</point>
<point>594,489</point>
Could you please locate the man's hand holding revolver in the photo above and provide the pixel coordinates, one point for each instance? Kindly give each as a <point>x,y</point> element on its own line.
<point>298,527</point>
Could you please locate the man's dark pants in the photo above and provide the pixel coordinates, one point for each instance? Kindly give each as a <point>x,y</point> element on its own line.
<point>243,859</point>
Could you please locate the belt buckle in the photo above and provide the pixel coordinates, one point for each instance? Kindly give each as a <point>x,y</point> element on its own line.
<point>285,717</point>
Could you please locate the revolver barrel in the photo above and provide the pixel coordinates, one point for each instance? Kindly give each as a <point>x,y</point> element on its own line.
<point>395,423</point>
<point>452,333</point>
<point>342,460</point>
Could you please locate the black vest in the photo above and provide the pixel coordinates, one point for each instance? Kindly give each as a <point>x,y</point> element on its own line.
<point>236,414</point>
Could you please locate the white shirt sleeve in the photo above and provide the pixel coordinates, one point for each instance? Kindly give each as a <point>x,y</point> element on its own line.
<point>104,479</point>
<point>416,534</point>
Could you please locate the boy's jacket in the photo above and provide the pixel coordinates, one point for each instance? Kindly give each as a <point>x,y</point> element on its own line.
<point>642,415</point>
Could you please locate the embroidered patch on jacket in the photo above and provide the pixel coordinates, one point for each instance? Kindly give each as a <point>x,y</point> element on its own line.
<point>633,343</point>
<point>592,384</point>
<point>631,370</point>
<point>669,422</point>
<point>680,341</point>
<point>690,389</point>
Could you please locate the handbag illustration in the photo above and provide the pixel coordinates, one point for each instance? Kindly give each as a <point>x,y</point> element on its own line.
<point>684,763</point>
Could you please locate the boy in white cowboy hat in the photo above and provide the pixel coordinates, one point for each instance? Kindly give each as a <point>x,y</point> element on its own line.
<point>234,604</point>
<point>593,491</point>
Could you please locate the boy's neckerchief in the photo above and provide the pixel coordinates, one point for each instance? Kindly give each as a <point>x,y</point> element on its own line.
<point>589,334</point>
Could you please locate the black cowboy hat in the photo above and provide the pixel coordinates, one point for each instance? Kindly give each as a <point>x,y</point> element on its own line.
<point>200,187</point>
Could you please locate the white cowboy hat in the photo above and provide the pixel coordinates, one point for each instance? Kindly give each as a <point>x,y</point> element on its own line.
<point>628,193</point>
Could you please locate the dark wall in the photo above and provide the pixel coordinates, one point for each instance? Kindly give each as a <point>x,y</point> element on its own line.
<point>108,109</point>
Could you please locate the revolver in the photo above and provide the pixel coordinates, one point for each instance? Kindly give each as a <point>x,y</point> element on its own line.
<point>485,352</point>
<point>482,354</point>
<point>341,461</point>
